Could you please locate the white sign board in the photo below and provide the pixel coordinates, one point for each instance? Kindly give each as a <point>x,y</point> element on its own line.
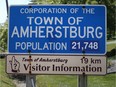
<point>39,64</point>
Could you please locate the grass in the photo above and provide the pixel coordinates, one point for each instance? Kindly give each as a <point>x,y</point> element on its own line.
<point>112,58</point>
<point>5,81</point>
<point>102,81</point>
<point>71,81</point>
<point>56,81</point>
<point>110,47</point>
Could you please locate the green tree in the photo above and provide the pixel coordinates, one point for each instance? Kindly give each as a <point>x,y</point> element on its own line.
<point>3,37</point>
<point>111,24</point>
<point>111,13</point>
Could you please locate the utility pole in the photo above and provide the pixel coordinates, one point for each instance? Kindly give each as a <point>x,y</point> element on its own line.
<point>7,7</point>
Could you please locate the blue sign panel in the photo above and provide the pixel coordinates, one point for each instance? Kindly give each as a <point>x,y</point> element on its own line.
<point>57,29</point>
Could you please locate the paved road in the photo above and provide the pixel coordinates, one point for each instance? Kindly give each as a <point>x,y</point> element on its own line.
<point>112,68</point>
<point>111,42</point>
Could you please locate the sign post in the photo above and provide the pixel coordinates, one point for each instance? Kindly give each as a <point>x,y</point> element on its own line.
<point>82,80</point>
<point>30,80</point>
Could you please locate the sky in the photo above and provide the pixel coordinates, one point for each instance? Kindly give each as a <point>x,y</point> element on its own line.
<point>3,11</point>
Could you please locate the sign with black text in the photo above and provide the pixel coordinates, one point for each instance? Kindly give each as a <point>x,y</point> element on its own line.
<point>39,64</point>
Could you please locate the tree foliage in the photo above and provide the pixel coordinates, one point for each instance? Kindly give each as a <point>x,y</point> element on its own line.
<point>3,37</point>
